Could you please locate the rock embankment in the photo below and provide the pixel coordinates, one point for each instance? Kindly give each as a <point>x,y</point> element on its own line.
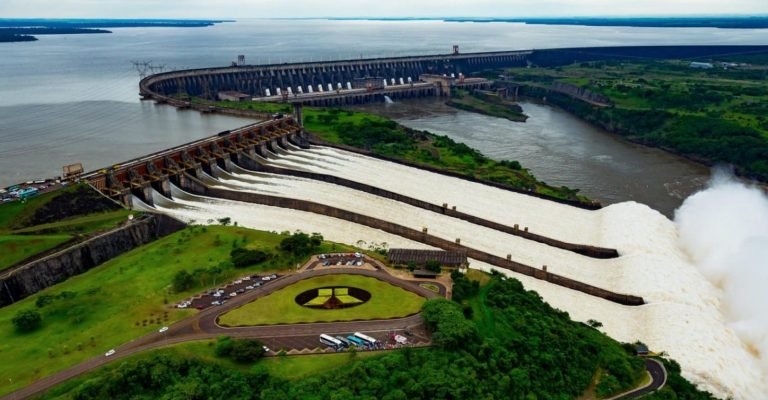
<point>38,275</point>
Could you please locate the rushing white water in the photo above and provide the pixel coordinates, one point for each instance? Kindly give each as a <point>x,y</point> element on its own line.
<point>682,318</point>
<point>725,229</point>
<point>491,203</point>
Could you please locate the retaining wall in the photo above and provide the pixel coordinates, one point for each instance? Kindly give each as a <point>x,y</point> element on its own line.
<point>80,258</point>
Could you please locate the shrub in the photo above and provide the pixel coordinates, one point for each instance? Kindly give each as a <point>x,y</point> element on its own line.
<point>243,257</point>
<point>27,320</point>
<point>182,281</point>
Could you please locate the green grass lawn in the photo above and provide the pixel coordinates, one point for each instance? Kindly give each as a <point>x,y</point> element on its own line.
<point>14,248</point>
<point>108,305</point>
<point>19,240</point>
<point>387,301</point>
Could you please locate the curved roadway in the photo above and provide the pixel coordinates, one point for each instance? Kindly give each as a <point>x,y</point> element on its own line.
<point>203,326</point>
<point>658,378</point>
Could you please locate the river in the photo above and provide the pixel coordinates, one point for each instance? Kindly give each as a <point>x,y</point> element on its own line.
<point>74,98</point>
<point>560,149</point>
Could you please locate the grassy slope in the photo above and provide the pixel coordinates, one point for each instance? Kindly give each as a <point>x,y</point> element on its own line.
<point>111,302</point>
<point>408,145</point>
<point>387,301</point>
<point>18,241</point>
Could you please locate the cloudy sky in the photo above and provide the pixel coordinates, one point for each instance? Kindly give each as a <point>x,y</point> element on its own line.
<point>379,8</point>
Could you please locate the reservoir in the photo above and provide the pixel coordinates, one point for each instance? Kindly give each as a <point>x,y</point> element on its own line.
<point>74,98</point>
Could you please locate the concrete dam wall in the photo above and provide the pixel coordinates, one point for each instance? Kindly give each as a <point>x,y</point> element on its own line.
<point>58,267</point>
<point>256,80</point>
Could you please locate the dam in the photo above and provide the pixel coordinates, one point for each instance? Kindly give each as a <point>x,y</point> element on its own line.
<point>332,82</point>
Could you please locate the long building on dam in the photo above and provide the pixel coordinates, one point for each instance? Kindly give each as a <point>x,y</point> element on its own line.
<point>331,82</point>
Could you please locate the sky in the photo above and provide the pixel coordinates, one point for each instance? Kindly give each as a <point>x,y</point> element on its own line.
<point>367,8</point>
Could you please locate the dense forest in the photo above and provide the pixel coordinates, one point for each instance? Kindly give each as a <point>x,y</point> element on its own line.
<point>500,342</point>
<point>716,116</point>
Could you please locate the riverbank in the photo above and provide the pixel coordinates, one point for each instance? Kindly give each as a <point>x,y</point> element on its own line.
<point>487,104</point>
<point>384,137</point>
<point>713,115</point>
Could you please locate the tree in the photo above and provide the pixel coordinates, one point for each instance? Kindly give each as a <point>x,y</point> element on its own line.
<point>239,350</point>
<point>225,221</point>
<point>301,244</point>
<point>27,320</point>
<point>446,320</point>
<point>243,257</point>
<point>433,266</point>
<point>182,281</point>
<point>247,350</point>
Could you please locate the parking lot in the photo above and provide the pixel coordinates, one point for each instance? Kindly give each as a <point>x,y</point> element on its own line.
<point>220,295</point>
<point>416,336</point>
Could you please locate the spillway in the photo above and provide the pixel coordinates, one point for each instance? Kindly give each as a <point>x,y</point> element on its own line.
<point>682,317</point>
<point>555,220</point>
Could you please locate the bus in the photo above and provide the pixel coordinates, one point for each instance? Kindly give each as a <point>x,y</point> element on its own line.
<point>330,341</point>
<point>356,341</point>
<point>344,341</point>
<point>365,338</point>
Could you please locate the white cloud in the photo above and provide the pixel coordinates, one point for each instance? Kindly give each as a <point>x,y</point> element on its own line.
<point>379,8</point>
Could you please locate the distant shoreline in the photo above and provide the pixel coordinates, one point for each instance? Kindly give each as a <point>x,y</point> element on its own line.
<point>760,22</point>
<point>24,30</point>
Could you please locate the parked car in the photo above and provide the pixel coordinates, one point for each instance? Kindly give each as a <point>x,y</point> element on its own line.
<point>215,303</point>
<point>163,329</point>
<point>109,353</point>
<point>249,287</point>
<point>233,294</point>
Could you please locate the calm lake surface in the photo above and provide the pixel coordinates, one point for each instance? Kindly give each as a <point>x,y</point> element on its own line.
<point>74,98</point>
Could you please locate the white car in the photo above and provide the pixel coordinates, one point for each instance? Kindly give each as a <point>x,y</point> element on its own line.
<point>237,282</point>
<point>247,278</point>
<point>266,278</point>
<point>358,255</point>
<point>266,349</point>
<point>233,294</point>
<point>109,353</point>
<point>249,287</point>
<point>217,294</point>
<point>163,329</point>
<point>181,305</point>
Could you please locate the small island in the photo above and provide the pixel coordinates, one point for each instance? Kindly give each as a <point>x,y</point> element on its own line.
<point>24,30</point>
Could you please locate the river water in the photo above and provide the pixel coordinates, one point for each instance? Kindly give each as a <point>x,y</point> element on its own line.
<point>74,98</point>
<point>560,149</point>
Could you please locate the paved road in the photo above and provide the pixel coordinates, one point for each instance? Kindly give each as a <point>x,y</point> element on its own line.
<point>658,379</point>
<point>203,326</point>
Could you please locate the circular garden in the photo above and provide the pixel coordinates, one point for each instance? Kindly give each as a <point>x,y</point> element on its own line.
<point>327,298</point>
<point>332,298</point>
